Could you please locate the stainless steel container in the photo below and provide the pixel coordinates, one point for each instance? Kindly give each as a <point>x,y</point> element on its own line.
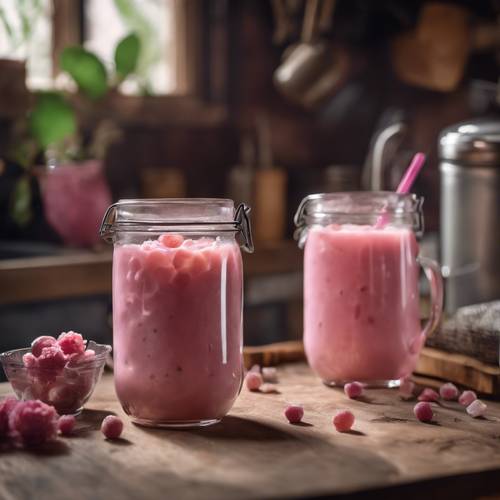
<point>470,212</point>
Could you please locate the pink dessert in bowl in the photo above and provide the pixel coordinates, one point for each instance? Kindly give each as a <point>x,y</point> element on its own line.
<point>64,381</point>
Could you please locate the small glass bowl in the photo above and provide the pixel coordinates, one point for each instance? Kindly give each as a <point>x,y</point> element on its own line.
<point>67,390</point>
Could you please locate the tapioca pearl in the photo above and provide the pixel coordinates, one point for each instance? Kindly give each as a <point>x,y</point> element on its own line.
<point>270,374</point>
<point>112,427</point>
<point>253,381</point>
<point>182,259</point>
<point>449,391</point>
<point>353,390</point>
<point>467,397</point>
<point>66,424</point>
<point>294,413</point>
<point>423,411</point>
<point>171,240</point>
<point>199,264</point>
<point>343,420</point>
<point>429,395</point>
<point>139,275</point>
<point>477,408</point>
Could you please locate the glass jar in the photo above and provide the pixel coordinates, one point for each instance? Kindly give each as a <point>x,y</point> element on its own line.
<point>361,294</point>
<point>177,308</point>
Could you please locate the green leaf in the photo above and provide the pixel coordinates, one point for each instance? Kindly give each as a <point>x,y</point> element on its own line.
<point>126,55</point>
<point>52,119</point>
<point>86,69</point>
<point>20,202</point>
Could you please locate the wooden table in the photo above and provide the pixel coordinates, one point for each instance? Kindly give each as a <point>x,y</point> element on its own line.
<point>255,453</point>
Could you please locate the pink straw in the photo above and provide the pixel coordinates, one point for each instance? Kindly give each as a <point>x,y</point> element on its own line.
<point>406,183</point>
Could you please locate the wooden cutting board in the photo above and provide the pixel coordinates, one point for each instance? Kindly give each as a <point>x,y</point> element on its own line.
<point>457,368</point>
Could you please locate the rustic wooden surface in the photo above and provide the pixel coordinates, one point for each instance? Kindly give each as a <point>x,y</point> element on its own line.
<point>255,453</point>
<point>463,370</point>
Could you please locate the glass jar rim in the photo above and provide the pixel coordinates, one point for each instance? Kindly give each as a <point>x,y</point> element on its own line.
<point>356,203</point>
<point>184,215</point>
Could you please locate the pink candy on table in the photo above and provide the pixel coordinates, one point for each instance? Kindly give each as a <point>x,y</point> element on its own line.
<point>255,368</point>
<point>353,390</point>
<point>429,395</point>
<point>33,423</point>
<point>343,421</point>
<point>467,397</point>
<point>476,409</point>
<point>253,381</point>
<point>423,411</point>
<point>294,413</point>
<point>40,342</point>
<point>112,427</point>
<point>71,343</point>
<point>66,424</point>
<point>449,391</point>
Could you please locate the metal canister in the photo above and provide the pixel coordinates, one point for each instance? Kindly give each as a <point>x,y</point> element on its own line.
<point>470,212</point>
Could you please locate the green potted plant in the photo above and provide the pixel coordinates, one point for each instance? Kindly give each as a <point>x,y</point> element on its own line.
<point>74,190</point>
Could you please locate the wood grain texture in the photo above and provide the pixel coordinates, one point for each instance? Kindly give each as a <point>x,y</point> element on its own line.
<point>457,368</point>
<point>255,453</point>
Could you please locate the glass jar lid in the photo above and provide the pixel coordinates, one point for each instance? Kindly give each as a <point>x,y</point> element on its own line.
<point>184,215</point>
<point>359,207</point>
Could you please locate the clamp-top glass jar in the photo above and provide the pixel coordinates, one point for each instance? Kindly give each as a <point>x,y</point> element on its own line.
<point>361,300</point>
<point>177,307</point>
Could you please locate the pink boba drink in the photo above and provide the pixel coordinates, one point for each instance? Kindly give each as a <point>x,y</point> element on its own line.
<point>177,329</point>
<point>177,309</point>
<point>361,294</point>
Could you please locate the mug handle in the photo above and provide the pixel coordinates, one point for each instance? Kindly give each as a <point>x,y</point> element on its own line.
<point>433,274</point>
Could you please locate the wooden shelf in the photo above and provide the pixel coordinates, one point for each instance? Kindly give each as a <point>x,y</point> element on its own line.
<point>84,273</point>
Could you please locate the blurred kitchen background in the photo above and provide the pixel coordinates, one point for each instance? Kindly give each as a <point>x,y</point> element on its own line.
<point>260,101</point>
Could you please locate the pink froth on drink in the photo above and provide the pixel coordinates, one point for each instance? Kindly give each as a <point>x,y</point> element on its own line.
<point>177,328</point>
<point>361,315</point>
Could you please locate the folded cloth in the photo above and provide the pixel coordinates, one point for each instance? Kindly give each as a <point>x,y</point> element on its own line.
<point>473,330</point>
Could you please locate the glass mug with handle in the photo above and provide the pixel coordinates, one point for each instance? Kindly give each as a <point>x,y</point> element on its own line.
<point>361,295</point>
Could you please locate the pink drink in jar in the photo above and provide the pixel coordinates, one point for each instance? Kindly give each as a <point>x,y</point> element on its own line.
<point>361,297</point>
<point>177,316</point>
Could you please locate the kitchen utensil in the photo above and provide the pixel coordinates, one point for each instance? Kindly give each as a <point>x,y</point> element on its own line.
<point>470,212</point>
<point>312,70</point>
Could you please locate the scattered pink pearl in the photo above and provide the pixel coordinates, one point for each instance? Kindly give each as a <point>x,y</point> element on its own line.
<point>476,409</point>
<point>66,424</point>
<point>171,240</point>
<point>71,343</point>
<point>429,395</point>
<point>467,397</point>
<point>112,427</point>
<point>449,391</point>
<point>343,420</point>
<point>40,342</point>
<point>33,422</point>
<point>353,390</point>
<point>406,388</point>
<point>294,413</point>
<point>253,381</point>
<point>423,411</point>
<point>270,374</point>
